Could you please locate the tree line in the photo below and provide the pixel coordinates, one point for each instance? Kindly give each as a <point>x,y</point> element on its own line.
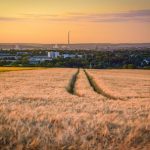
<point>90,59</point>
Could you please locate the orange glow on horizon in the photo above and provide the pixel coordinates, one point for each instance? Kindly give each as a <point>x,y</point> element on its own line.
<point>48,21</point>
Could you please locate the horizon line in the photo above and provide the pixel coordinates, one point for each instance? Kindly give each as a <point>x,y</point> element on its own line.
<point>76,43</point>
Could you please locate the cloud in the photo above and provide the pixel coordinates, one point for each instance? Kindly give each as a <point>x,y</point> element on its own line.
<point>132,16</point>
<point>39,15</point>
<point>10,19</point>
<point>137,15</point>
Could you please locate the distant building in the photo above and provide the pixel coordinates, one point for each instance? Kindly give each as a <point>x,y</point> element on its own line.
<point>68,55</point>
<point>10,58</point>
<point>3,54</point>
<point>39,59</point>
<point>146,61</point>
<point>53,54</point>
<point>71,56</point>
<point>55,46</point>
<point>23,53</point>
<point>79,56</point>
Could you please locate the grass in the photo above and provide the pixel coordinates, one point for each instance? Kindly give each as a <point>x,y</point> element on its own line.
<point>6,69</point>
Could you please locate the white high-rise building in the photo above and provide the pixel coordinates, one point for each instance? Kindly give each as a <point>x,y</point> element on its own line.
<point>53,54</point>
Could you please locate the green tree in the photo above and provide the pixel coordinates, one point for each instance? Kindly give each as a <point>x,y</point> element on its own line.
<point>25,61</point>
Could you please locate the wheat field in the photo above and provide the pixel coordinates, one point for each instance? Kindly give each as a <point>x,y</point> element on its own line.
<point>105,110</point>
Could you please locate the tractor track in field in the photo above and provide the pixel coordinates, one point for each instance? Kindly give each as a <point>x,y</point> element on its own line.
<point>101,91</point>
<point>78,83</point>
<point>71,86</point>
<point>73,89</point>
<point>97,88</point>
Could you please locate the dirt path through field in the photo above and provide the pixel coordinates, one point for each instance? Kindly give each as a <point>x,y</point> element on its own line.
<point>83,87</point>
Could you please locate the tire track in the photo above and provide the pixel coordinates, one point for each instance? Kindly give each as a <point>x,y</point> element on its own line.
<point>71,86</point>
<point>83,84</point>
<point>80,85</point>
<point>97,88</point>
<point>83,87</point>
<point>101,91</point>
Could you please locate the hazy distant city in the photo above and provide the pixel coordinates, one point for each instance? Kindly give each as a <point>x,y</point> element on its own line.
<point>83,46</point>
<point>86,55</point>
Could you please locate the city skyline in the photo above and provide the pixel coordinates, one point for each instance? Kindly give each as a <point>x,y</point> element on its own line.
<point>97,21</point>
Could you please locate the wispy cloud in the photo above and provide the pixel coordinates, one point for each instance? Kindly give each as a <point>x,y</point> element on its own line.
<point>137,15</point>
<point>132,16</point>
<point>10,19</point>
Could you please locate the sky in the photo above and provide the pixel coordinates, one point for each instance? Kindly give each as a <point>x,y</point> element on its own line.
<point>89,21</point>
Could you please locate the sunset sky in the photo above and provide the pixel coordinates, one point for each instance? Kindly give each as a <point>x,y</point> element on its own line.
<point>48,21</point>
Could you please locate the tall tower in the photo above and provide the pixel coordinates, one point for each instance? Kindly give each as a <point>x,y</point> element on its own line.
<point>68,39</point>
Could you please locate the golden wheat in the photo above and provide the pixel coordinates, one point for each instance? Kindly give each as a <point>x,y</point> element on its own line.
<point>37,112</point>
<point>124,83</point>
